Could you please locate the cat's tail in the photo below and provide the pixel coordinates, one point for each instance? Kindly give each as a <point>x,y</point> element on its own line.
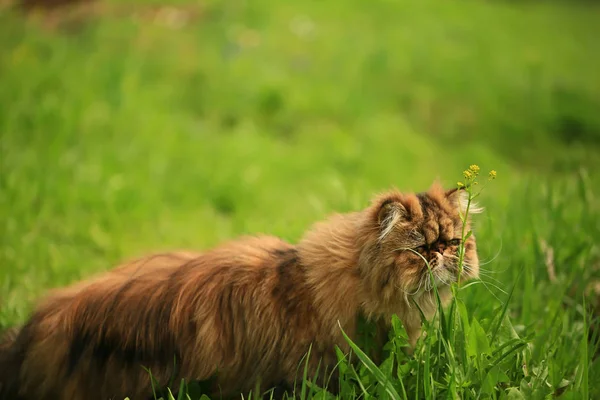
<point>11,358</point>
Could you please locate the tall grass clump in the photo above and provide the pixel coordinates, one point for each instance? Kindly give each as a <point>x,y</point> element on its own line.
<point>458,356</point>
<point>527,334</point>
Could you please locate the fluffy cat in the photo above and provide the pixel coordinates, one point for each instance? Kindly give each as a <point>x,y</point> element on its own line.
<point>243,313</point>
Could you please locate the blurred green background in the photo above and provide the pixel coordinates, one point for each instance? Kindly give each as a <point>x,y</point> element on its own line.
<point>132,127</point>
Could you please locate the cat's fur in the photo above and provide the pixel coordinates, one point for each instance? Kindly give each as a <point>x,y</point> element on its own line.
<point>244,312</point>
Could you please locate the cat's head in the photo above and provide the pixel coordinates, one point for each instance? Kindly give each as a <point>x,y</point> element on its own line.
<point>415,240</point>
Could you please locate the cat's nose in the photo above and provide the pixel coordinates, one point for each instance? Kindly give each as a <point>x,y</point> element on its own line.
<point>440,247</point>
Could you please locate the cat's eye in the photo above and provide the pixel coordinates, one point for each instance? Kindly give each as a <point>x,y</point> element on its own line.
<point>454,242</point>
<point>421,249</point>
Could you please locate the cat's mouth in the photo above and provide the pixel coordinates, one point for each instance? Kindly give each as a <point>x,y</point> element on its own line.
<point>444,270</point>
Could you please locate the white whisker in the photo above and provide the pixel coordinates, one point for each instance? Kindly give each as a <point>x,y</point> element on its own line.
<point>495,256</point>
<point>486,286</point>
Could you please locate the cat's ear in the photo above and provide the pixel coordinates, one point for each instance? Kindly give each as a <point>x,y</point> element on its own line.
<point>391,211</point>
<point>453,191</point>
<point>459,198</point>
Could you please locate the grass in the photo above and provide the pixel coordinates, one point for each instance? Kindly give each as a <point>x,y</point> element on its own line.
<point>121,137</point>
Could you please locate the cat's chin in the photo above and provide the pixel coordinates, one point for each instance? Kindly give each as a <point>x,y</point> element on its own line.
<point>443,277</point>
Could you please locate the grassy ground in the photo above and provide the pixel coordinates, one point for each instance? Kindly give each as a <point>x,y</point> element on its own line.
<point>122,135</point>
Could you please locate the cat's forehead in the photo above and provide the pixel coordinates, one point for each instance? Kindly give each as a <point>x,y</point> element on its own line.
<point>440,218</point>
<point>438,207</point>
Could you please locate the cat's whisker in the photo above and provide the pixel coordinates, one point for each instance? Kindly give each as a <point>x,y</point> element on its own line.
<point>407,293</point>
<point>420,283</point>
<point>494,257</point>
<point>487,275</point>
<point>486,286</point>
<point>488,271</point>
<point>427,279</point>
<point>495,286</point>
<point>491,280</point>
<point>483,273</point>
<point>469,269</point>
<point>491,292</point>
<point>499,271</point>
<point>445,282</point>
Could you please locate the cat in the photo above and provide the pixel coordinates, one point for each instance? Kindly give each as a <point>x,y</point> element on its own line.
<point>245,312</point>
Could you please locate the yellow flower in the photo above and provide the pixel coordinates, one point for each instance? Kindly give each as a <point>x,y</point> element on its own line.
<point>460,185</point>
<point>474,168</point>
<point>467,174</point>
<point>492,174</point>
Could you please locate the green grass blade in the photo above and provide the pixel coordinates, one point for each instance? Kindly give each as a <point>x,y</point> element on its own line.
<point>584,356</point>
<point>372,368</point>
<point>505,308</point>
<point>182,390</point>
<point>305,375</point>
